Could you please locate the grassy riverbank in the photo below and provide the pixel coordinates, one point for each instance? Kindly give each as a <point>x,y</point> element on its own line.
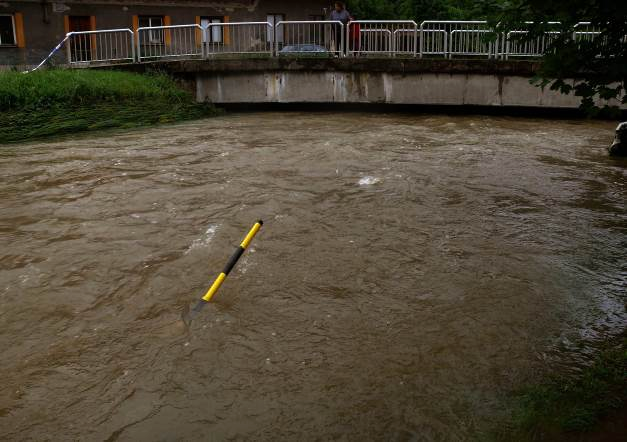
<point>589,406</point>
<point>54,102</point>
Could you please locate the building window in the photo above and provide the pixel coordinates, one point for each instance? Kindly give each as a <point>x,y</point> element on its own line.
<point>153,36</point>
<point>273,19</point>
<point>216,34</point>
<point>7,30</point>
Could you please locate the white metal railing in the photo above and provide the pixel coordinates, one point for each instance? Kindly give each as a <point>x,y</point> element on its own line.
<point>585,31</point>
<point>310,37</point>
<point>455,37</point>
<point>445,38</point>
<point>157,42</point>
<point>376,37</point>
<point>470,42</point>
<point>106,46</point>
<point>405,41</point>
<point>239,38</point>
<point>433,42</point>
<point>516,44</point>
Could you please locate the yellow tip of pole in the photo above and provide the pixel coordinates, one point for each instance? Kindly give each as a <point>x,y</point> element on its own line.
<point>251,234</point>
<point>214,287</point>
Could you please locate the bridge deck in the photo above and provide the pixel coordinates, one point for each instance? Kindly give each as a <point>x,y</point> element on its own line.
<point>523,68</point>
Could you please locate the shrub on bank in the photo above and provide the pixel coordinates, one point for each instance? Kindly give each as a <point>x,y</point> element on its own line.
<point>51,102</point>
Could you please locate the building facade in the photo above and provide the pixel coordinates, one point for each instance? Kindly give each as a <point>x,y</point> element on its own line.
<point>30,29</point>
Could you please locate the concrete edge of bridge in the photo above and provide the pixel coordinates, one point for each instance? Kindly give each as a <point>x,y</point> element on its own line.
<point>524,68</point>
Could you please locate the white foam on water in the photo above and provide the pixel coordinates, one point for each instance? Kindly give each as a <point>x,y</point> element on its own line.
<point>245,263</point>
<point>368,181</point>
<point>204,240</point>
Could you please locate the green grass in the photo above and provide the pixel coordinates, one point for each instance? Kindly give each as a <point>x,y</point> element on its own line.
<point>563,407</point>
<point>52,102</point>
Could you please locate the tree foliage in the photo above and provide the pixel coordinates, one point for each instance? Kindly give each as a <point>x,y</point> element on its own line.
<point>598,64</point>
<point>596,60</point>
<point>420,10</point>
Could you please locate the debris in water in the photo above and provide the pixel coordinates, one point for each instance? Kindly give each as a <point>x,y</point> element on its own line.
<point>368,181</point>
<point>204,240</point>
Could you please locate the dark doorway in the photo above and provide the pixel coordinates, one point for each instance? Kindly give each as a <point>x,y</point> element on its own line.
<point>80,43</point>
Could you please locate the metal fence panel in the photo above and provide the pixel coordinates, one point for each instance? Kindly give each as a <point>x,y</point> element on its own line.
<point>106,46</point>
<point>239,38</point>
<point>456,37</point>
<point>471,42</point>
<point>381,37</point>
<point>585,31</point>
<point>310,37</point>
<point>433,42</point>
<point>174,41</point>
<point>516,44</point>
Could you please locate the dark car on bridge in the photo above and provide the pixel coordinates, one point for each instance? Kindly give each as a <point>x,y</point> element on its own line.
<point>308,49</point>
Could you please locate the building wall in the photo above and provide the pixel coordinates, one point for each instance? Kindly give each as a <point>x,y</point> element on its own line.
<point>44,22</point>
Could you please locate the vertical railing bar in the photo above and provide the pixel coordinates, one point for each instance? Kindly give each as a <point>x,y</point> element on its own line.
<point>69,48</point>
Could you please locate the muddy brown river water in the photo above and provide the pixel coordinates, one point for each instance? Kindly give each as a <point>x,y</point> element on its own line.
<point>412,271</point>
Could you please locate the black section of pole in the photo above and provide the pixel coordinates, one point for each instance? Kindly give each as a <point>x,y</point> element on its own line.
<point>233,260</point>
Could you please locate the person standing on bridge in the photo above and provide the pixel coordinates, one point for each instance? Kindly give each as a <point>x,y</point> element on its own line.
<point>339,13</point>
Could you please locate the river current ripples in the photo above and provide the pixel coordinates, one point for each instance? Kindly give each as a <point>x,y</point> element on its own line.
<point>411,272</point>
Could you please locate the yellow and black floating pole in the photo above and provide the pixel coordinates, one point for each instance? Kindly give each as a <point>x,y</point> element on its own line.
<point>227,269</point>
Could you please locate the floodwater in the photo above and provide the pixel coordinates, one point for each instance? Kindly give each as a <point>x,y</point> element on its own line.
<point>411,272</point>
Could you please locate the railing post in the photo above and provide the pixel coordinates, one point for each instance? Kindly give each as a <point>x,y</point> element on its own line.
<point>204,40</point>
<point>275,42</point>
<point>139,46</point>
<point>449,55</point>
<point>345,37</point>
<point>415,41</point>
<point>68,47</point>
<point>133,47</point>
<point>422,38</point>
<point>200,31</point>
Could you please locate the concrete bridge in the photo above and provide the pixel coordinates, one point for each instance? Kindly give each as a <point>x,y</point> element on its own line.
<point>398,62</point>
<point>426,82</point>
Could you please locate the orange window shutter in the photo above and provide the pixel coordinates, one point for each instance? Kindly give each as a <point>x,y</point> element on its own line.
<point>66,28</point>
<point>19,30</point>
<point>92,26</point>
<point>168,37</point>
<point>198,32</point>
<point>227,36</point>
<point>135,26</point>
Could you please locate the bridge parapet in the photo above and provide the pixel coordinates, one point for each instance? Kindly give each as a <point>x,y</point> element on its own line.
<point>487,83</point>
<point>322,39</point>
